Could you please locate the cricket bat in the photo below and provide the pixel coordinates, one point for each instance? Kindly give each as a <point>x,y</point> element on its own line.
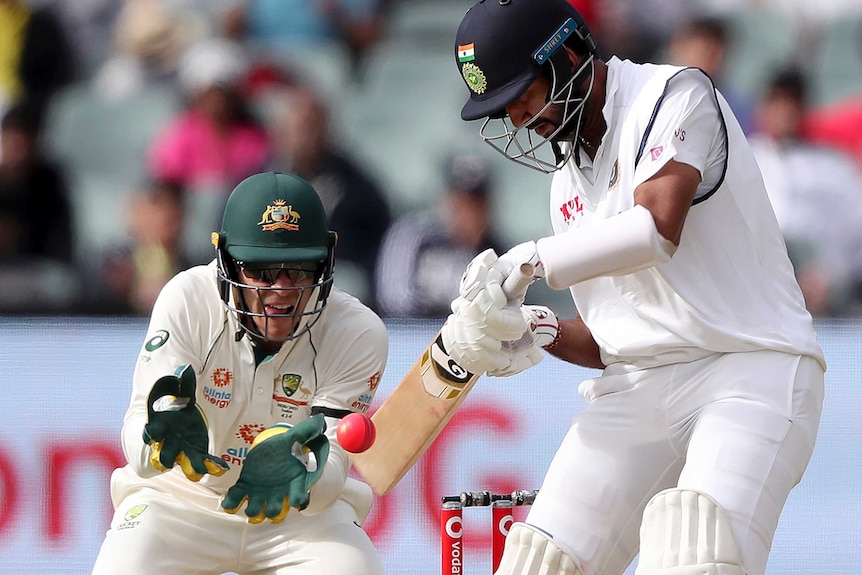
<point>420,406</point>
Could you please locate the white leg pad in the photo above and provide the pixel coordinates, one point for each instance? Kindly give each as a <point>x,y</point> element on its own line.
<point>529,551</point>
<point>686,533</point>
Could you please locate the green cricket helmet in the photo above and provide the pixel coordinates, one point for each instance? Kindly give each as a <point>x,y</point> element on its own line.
<point>274,223</point>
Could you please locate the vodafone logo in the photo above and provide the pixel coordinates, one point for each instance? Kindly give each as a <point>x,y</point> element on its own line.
<point>454,527</point>
<point>505,524</point>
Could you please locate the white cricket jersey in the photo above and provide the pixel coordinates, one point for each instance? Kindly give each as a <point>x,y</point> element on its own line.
<point>730,286</point>
<point>337,365</point>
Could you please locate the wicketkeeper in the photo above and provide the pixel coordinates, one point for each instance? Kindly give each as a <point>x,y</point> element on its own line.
<point>247,366</point>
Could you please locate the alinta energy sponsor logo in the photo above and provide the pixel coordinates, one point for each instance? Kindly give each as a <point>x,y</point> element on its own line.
<point>246,432</point>
<point>374,381</point>
<point>362,403</point>
<point>235,455</point>
<point>220,399</point>
<point>222,377</point>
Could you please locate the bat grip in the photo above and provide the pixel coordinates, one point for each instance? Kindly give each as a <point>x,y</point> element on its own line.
<point>515,286</point>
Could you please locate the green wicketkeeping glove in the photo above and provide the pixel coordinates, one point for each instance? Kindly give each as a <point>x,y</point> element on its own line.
<point>274,476</point>
<point>177,429</point>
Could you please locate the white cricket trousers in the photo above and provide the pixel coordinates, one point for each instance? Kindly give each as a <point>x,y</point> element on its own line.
<point>156,533</point>
<point>738,427</point>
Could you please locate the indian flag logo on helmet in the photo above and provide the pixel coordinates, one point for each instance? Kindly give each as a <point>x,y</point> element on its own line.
<point>466,53</point>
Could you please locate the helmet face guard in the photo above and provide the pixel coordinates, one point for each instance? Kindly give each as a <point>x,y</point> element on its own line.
<point>272,224</point>
<point>310,299</point>
<point>525,147</point>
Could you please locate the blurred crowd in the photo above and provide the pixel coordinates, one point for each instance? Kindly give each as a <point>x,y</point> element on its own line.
<point>125,125</point>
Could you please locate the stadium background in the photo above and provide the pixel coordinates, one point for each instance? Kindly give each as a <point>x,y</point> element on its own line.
<point>65,389</point>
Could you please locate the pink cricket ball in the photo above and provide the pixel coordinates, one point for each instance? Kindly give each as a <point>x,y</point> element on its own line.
<point>356,432</point>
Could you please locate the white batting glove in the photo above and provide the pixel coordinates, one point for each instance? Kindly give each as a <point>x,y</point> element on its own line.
<point>479,274</point>
<point>523,253</point>
<point>543,324</point>
<point>542,331</point>
<point>474,332</point>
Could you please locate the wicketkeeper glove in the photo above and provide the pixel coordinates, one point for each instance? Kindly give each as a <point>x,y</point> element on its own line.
<point>176,428</point>
<point>542,331</point>
<point>275,475</point>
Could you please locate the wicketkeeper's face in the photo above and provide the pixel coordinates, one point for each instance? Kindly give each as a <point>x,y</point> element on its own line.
<point>276,297</point>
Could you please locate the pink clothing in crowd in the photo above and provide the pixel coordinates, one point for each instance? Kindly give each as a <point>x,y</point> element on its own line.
<point>193,153</point>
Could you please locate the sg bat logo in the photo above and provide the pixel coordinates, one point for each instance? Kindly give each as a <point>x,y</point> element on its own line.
<point>441,376</point>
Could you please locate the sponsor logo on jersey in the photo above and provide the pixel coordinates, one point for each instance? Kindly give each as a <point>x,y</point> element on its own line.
<point>571,209</point>
<point>135,511</point>
<point>235,455</point>
<point>217,397</point>
<point>222,376</point>
<point>374,381</point>
<point>129,519</point>
<point>656,152</point>
<point>248,431</point>
<point>159,339</point>
<point>362,403</point>
<point>279,216</point>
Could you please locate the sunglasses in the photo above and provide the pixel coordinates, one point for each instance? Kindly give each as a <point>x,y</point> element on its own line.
<point>268,273</point>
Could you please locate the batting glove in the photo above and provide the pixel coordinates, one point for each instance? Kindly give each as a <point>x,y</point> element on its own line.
<point>275,474</point>
<point>542,329</point>
<point>479,274</point>
<point>176,428</point>
<point>524,253</point>
<point>474,332</point>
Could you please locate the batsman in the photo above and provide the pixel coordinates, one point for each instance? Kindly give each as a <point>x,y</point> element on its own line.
<point>248,365</point>
<point>708,404</point>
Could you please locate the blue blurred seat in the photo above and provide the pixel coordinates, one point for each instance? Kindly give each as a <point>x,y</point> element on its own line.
<point>762,40</point>
<point>102,146</point>
<point>837,62</point>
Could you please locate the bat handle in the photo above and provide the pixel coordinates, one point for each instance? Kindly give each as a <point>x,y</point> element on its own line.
<point>515,286</point>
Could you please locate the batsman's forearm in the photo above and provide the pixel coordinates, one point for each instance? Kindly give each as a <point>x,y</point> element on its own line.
<point>577,345</point>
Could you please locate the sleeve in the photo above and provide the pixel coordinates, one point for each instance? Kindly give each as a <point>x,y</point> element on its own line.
<point>168,344</point>
<point>687,126</point>
<point>349,384</point>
